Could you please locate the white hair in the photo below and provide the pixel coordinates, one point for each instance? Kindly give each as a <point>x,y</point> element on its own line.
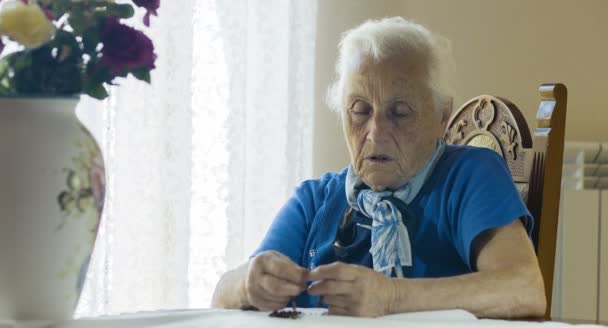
<point>389,37</point>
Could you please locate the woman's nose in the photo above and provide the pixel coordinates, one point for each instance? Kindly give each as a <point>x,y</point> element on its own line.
<point>378,129</point>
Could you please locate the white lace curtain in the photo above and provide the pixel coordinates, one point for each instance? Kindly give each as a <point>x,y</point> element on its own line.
<point>199,162</point>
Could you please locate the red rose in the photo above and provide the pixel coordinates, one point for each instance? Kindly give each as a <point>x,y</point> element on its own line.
<point>125,47</point>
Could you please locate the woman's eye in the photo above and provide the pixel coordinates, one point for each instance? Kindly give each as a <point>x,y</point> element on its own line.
<point>360,108</point>
<point>401,109</point>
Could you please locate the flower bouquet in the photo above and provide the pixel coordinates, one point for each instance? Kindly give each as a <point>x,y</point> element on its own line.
<point>68,47</point>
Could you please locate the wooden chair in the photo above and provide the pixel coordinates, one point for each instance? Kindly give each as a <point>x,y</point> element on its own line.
<point>535,161</point>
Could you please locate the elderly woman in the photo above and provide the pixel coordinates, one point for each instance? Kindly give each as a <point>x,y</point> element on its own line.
<point>412,224</point>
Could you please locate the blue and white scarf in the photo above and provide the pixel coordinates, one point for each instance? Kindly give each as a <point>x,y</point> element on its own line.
<point>390,245</point>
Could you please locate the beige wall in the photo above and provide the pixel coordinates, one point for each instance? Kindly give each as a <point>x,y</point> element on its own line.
<point>501,47</point>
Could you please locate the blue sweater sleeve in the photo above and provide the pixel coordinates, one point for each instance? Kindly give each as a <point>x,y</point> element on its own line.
<point>289,231</point>
<point>483,196</point>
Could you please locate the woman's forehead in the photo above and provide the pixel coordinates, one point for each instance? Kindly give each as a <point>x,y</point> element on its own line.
<point>385,83</point>
<point>395,72</point>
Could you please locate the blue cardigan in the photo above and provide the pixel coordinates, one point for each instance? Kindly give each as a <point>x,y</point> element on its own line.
<point>469,191</point>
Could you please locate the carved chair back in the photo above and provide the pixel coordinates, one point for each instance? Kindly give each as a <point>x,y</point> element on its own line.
<point>535,162</point>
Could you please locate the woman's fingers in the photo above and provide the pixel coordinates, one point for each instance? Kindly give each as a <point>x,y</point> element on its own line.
<point>335,271</point>
<point>265,303</point>
<point>282,267</point>
<point>330,287</point>
<point>352,289</point>
<point>272,279</point>
<point>333,279</point>
<point>274,286</point>
<point>338,301</point>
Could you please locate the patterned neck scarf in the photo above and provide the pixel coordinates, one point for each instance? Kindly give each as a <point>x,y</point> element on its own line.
<point>390,245</point>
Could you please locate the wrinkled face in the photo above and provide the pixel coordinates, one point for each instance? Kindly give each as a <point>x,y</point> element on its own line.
<point>389,121</point>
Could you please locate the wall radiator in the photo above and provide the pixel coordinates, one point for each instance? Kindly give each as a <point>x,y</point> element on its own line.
<point>580,289</point>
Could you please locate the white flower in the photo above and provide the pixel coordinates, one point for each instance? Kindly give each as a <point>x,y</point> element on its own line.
<point>26,24</point>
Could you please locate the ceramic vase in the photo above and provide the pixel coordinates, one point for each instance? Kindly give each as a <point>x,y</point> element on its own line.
<point>52,186</point>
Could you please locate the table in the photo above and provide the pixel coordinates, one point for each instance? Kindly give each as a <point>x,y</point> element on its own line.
<point>316,318</point>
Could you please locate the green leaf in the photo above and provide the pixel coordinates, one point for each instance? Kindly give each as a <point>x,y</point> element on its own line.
<point>90,40</point>
<point>98,73</point>
<point>5,81</point>
<point>78,22</point>
<point>97,91</point>
<point>120,10</point>
<point>66,42</point>
<point>142,74</point>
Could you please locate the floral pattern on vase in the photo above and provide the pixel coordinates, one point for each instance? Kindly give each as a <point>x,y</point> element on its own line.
<point>83,199</point>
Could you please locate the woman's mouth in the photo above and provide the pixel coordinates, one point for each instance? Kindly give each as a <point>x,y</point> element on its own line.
<point>379,159</point>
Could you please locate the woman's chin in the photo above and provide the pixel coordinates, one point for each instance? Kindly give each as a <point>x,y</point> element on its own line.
<point>377,183</point>
<point>378,187</point>
<point>381,177</point>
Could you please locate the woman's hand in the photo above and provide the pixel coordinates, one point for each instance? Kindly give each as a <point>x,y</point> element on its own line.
<point>352,289</point>
<point>271,280</point>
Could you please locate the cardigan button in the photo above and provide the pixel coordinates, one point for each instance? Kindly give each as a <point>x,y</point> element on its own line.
<point>312,252</point>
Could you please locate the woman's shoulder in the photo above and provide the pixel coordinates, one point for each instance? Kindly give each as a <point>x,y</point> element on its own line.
<point>324,186</point>
<point>328,180</point>
<point>461,167</point>
<point>469,162</point>
<point>468,156</point>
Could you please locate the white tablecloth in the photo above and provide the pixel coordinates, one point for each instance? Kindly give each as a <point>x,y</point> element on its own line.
<point>316,318</point>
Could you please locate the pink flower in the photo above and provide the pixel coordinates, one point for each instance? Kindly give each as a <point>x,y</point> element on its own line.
<point>151,6</point>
